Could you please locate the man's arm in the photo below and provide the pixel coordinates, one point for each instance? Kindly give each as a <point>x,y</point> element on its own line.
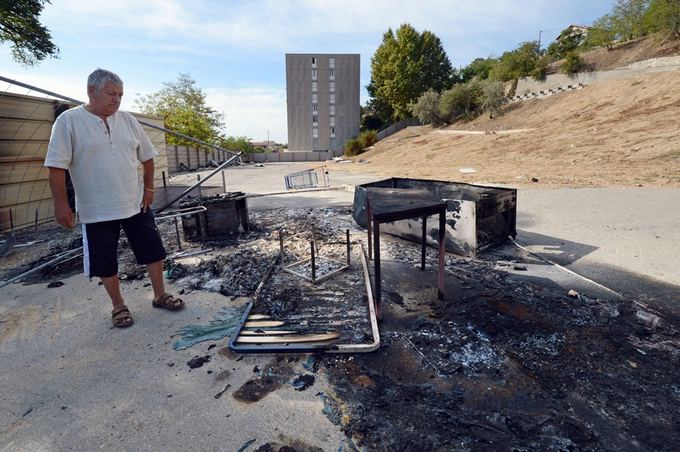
<point>147,196</point>
<point>62,212</point>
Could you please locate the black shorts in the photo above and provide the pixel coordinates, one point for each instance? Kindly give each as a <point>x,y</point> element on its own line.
<point>100,243</point>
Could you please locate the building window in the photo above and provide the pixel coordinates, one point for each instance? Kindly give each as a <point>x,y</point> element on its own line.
<point>313,73</point>
<point>313,61</point>
<point>332,87</point>
<point>331,62</point>
<point>332,110</point>
<point>332,120</point>
<point>332,144</point>
<point>332,100</point>
<point>315,133</point>
<point>315,98</point>
<point>332,132</point>
<point>314,87</point>
<point>315,107</point>
<point>315,120</point>
<point>331,73</point>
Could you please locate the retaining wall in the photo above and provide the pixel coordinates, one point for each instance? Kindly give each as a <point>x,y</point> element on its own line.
<point>554,81</point>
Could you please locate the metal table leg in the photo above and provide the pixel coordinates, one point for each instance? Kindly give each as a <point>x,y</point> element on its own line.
<point>423,245</point>
<point>442,254</point>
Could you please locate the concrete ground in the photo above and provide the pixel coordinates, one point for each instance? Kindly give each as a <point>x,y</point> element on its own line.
<point>69,381</point>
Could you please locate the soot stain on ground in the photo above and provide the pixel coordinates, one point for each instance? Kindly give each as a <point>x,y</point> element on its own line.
<point>268,379</point>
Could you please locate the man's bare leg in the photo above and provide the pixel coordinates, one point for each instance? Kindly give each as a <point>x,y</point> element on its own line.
<point>155,270</point>
<point>112,286</point>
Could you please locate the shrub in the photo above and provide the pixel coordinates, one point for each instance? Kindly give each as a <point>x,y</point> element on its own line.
<point>461,100</point>
<point>353,147</point>
<point>493,95</point>
<point>572,63</point>
<point>368,138</point>
<point>426,109</point>
<point>541,70</point>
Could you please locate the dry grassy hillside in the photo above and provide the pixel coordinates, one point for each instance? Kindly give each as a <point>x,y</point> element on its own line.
<point>614,133</point>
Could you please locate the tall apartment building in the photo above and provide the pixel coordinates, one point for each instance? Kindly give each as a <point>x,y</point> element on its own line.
<point>323,100</point>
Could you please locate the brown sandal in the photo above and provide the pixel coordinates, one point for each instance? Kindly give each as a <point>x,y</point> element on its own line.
<point>121,317</point>
<point>167,301</point>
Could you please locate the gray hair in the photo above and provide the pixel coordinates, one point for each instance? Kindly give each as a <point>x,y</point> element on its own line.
<point>101,77</point>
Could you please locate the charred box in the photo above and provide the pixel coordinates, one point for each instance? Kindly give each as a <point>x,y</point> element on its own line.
<point>226,214</point>
<point>477,216</point>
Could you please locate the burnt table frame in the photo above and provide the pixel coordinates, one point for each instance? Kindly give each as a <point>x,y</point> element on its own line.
<point>385,205</point>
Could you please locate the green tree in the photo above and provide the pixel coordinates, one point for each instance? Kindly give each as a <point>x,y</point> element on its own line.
<point>516,63</point>
<point>627,18</point>
<point>237,144</point>
<point>31,41</point>
<point>663,15</point>
<point>405,65</point>
<point>602,33</point>
<point>572,63</point>
<point>182,106</point>
<point>479,67</point>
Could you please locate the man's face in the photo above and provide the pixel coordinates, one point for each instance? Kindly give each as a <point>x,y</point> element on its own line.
<point>106,101</point>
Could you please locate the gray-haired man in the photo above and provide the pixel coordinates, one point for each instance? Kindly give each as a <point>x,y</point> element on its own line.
<point>102,149</point>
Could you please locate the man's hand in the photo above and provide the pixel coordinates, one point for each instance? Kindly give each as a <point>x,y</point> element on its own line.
<point>147,199</point>
<point>62,212</point>
<point>65,216</point>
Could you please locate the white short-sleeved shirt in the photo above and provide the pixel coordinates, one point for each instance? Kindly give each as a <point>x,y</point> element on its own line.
<point>105,168</point>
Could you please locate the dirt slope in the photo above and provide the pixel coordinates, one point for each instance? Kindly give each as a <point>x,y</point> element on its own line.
<point>614,133</point>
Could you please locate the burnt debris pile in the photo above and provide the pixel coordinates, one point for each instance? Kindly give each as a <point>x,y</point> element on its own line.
<point>508,363</point>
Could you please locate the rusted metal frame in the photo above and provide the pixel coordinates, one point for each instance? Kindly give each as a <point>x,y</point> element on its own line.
<point>314,280</point>
<point>373,223</point>
<point>314,257</point>
<point>442,256</point>
<point>181,212</point>
<point>373,317</point>
<point>313,263</point>
<point>174,214</point>
<point>200,182</point>
<point>313,347</point>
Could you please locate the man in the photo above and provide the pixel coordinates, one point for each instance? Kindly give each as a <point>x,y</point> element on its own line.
<point>102,149</point>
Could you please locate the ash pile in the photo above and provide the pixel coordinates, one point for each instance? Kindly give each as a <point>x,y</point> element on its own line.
<point>507,361</point>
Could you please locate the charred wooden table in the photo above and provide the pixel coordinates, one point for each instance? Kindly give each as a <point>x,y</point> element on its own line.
<point>385,205</point>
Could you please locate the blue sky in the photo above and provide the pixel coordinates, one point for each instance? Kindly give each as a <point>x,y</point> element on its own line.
<point>235,50</point>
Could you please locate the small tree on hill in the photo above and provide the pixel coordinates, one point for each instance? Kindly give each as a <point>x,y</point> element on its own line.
<point>426,109</point>
<point>663,15</point>
<point>493,96</point>
<point>572,63</point>
<point>461,100</point>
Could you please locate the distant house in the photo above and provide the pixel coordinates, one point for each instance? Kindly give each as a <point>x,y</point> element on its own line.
<point>573,31</point>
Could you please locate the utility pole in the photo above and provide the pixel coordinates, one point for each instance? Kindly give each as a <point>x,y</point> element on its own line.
<point>539,39</point>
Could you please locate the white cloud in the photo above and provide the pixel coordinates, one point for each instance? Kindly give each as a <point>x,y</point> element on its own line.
<point>252,112</point>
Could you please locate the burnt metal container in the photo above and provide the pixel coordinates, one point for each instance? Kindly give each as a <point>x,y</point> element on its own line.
<point>226,213</point>
<point>477,217</point>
